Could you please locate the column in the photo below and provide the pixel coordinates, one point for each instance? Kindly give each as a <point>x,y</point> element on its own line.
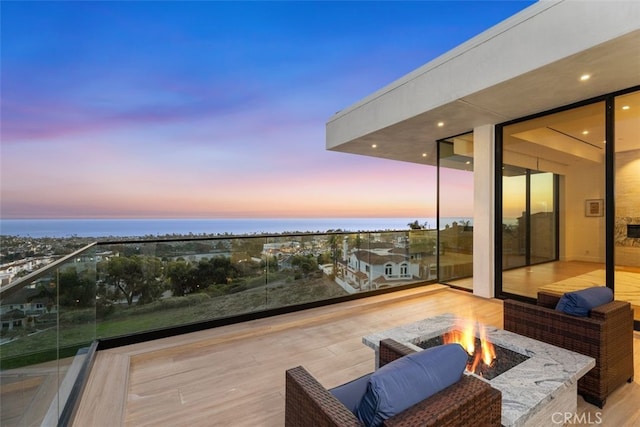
<point>483,211</point>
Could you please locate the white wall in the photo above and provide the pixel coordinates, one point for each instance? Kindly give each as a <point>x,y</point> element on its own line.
<point>582,238</point>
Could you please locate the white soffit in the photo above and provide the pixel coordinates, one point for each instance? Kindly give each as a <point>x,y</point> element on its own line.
<point>529,63</point>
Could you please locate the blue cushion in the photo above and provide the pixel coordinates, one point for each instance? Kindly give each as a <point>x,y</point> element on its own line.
<point>580,303</point>
<point>409,380</point>
<point>350,394</point>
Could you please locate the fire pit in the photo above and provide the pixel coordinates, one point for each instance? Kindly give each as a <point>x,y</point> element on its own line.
<point>485,361</point>
<point>536,379</point>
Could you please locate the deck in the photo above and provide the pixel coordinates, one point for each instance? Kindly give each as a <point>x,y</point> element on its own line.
<point>234,375</point>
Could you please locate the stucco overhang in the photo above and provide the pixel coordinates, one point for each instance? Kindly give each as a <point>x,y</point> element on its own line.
<point>527,64</point>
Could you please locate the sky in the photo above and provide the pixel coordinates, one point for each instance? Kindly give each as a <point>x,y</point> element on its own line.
<point>201,109</point>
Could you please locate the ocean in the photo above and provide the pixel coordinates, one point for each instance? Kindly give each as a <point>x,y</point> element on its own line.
<point>61,228</point>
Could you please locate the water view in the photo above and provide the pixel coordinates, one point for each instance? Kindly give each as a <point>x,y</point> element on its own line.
<point>184,227</point>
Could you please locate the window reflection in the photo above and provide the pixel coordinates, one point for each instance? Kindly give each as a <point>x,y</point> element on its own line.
<point>627,201</point>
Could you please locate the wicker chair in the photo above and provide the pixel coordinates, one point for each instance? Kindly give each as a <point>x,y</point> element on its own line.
<point>606,335</point>
<point>470,401</point>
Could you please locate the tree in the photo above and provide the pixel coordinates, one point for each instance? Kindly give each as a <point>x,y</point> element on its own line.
<point>135,276</point>
<point>182,277</point>
<point>415,225</point>
<point>152,284</point>
<point>336,251</point>
<point>270,264</point>
<point>77,289</point>
<point>304,265</point>
<point>215,271</point>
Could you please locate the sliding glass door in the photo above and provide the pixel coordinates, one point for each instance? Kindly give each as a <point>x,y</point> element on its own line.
<point>553,199</point>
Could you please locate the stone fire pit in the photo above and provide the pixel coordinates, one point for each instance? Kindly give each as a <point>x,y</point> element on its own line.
<point>532,391</point>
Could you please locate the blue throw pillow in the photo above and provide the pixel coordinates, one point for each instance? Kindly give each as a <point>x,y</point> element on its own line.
<point>409,380</point>
<point>580,303</point>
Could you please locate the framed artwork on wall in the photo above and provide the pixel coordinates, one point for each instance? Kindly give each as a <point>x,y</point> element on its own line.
<point>594,207</point>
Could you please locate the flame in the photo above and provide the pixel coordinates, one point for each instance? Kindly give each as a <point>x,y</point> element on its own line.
<point>471,367</point>
<point>464,338</point>
<point>488,350</point>
<point>465,335</point>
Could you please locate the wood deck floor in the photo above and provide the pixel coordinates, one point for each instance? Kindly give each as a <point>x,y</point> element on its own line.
<point>234,375</point>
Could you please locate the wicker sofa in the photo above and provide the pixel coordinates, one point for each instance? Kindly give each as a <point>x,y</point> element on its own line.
<point>470,401</point>
<point>606,335</point>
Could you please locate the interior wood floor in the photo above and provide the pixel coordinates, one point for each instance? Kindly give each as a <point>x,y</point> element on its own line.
<point>234,375</point>
<point>566,276</point>
<point>527,280</point>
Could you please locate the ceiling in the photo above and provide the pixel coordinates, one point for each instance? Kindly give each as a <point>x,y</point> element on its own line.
<point>613,66</point>
<point>572,137</point>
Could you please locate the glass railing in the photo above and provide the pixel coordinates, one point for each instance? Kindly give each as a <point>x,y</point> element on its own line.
<point>456,254</point>
<point>48,324</point>
<point>117,289</point>
<point>143,286</point>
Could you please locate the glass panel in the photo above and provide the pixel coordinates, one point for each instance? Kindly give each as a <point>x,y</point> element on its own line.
<point>302,269</point>
<point>455,202</point>
<point>514,217</point>
<point>386,259</point>
<point>149,285</point>
<point>423,253</point>
<point>114,289</point>
<point>48,324</point>
<point>529,222</point>
<point>627,191</point>
<point>567,146</point>
<point>542,218</point>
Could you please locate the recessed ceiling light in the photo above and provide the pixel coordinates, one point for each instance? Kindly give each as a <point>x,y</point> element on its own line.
<point>625,107</point>
<point>585,132</point>
<point>374,145</point>
<point>424,154</point>
<point>585,77</point>
<point>467,162</point>
<point>440,124</point>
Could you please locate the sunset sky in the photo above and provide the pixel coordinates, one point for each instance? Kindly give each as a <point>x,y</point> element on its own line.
<point>210,109</point>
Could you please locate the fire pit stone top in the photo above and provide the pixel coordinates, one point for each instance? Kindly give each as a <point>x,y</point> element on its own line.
<point>527,388</point>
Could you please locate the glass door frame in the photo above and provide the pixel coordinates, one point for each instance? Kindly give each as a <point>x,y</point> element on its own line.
<point>609,100</point>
